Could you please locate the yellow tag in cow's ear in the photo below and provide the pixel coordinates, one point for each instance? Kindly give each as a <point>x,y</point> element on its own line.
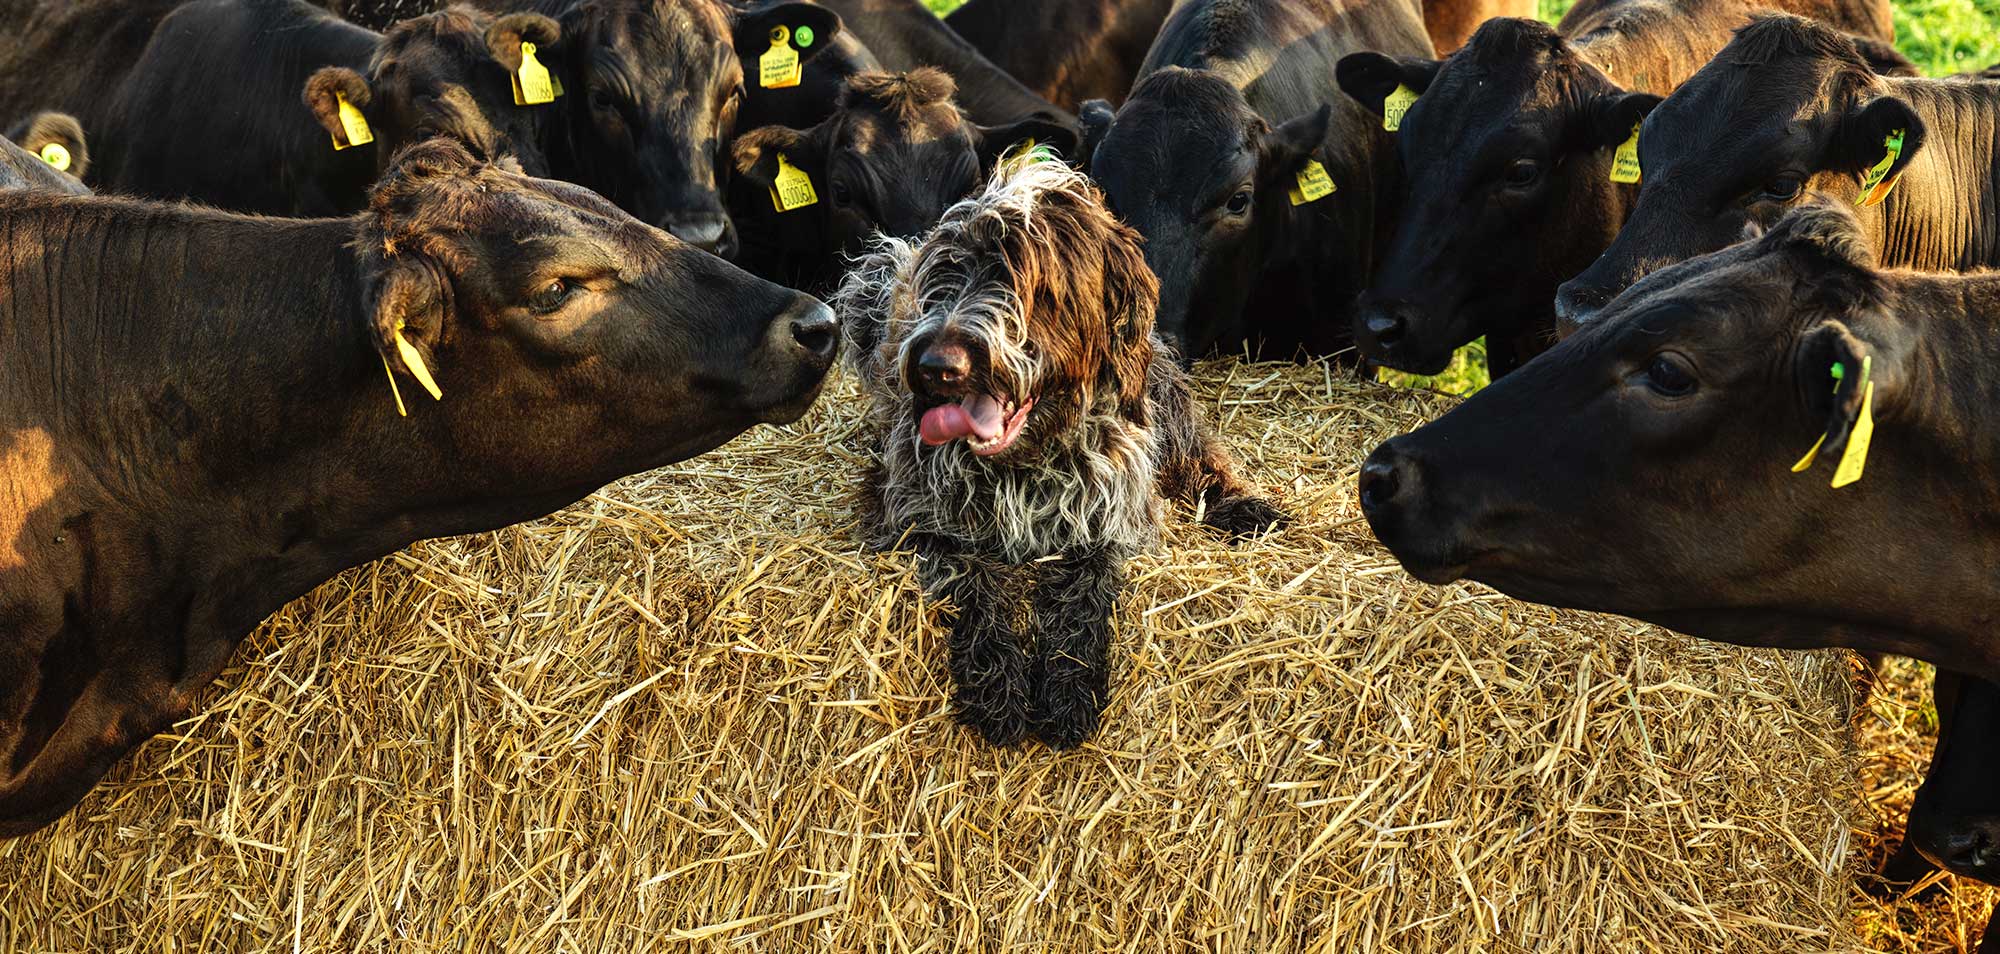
<point>1877,184</point>
<point>1395,105</point>
<point>533,85</point>
<point>1839,373</point>
<point>415,362</point>
<point>56,155</point>
<point>1625,162</point>
<point>793,189</point>
<point>1313,184</point>
<point>401,411</point>
<point>1855,458</point>
<point>778,68</point>
<point>353,123</point>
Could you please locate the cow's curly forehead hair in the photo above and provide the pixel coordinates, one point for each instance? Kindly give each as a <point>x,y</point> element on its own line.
<point>1035,269</point>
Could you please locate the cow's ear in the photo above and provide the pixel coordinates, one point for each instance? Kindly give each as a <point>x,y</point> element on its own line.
<point>1369,77</point>
<point>1609,117</point>
<point>994,141</point>
<point>505,36</point>
<point>1862,141</point>
<point>58,139</point>
<point>409,303</point>
<point>1836,371</point>
<point>1287,147</point>
<point>1096,117</point>
<point>325,89</point>
<point>756,153</point>
<point>1883,58</point>
<point>809,28</point>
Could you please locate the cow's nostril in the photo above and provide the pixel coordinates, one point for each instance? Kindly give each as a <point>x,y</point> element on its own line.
<point>817,332</point>
<point>1379,483</point>
<point>1971,849</point>
<point>1386,326</point>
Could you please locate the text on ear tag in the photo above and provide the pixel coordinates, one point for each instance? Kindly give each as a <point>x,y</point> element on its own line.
<point>1855,459</point>
<point>532,84</point>
<point>792,189</point>
<point>1877,185</point>
<point>1395,105</point>
<point>55,155</point>
<point>778,68</point>
<point>415,362</point>
<point>352,123</point>
<point>1625,162</point>
<point>1313,184</point>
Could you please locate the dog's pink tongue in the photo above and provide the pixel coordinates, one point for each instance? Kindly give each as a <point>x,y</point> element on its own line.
<point>977,416</point>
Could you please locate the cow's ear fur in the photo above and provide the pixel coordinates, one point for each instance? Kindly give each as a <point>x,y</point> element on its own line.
<point>1609,117</point>
<point>755,154</point>
<point>1287,147</point>
<point>322,89</point>
<point>409,297</point>
<point>1096,116</point>
<point>1859,143</point>
<point>994,141</point>
<point>60,129</point>
<point>1369,77</point>
<point>753,31</point>
<point>505,36</point>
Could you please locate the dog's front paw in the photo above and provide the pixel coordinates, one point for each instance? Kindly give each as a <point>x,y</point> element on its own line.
<point>1244,517</point>
<point>1069,708</point>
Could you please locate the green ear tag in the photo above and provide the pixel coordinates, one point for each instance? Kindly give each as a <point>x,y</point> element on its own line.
<point>1877,185</point>
<point>55,155</point>
<point>803,36</point>
<point>1395,105</point>
<point>1625,162</point>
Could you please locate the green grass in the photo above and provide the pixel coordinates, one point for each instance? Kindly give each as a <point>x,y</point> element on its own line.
<point>1941,36</point>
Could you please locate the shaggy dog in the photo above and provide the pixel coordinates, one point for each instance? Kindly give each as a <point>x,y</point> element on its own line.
<point>1030,422</point>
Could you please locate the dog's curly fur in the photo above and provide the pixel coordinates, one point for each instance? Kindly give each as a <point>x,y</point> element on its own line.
<point>1056,301</point>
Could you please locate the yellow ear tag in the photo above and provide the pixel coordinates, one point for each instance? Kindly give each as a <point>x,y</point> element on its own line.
<point>1313,184</point>
<point>1877,185</point>
<point>415,362</point>
<point>1839,372</point>
<point>393,389</point>
<point>55,155</point>
<point>532,83</point>
<point>1625,162</point>
<point>793,189</point>
<point>778,68</point>
<point>1856,457</point>
<point>1395,105</point>
<point>353,123</point>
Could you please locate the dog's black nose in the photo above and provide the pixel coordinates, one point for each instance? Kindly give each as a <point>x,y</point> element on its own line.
<point>943,368</point>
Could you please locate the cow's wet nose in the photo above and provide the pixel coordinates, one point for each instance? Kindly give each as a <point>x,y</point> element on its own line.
<point>708,231</point>
<point>1387,480</point>
<point>816,332</point>
<point>943,369</point>
<point>1972,850</point>
<point>1577,304</point>
<point>1383,325</point>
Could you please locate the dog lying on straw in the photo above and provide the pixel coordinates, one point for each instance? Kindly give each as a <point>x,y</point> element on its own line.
<point>1030,421</point>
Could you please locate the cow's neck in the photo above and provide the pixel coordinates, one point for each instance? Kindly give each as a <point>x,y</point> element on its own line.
<point>1945,213</point>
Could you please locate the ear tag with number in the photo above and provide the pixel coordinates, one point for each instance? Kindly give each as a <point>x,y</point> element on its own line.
<point>778,68</point>
<point>352,123</point>
<point>1625,162</point>
<point>56,155</point>
<point>1313,184</point>
<point>533,85</point>
<point>415,362</point>
<point>1877,185</point>
<point>1395,105</point>
<point>1855,459</point>
<point>793,189</point>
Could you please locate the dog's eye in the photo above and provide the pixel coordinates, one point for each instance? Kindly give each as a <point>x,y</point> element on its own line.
<point>1238,203</point>
<point>551,295</point>
<point>1523,172</point>
<point>1031,349</point>
<point>1670,375</point>
<point>1784,188</point>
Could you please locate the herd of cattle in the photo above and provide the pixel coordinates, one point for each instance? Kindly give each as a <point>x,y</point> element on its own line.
<point>1683,226</point>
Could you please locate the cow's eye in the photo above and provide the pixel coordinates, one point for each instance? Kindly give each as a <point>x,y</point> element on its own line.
<point>602,98</point>
<point>1670,375</point>
<point>1523,172</point>
<point>551,295</point>
<point>1784,188</point>
<point>842,195</point>
<point>1239,203</point>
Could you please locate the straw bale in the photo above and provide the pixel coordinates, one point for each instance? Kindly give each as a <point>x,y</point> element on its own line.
<point>690,713</point>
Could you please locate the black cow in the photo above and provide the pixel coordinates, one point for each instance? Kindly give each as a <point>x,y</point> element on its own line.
<point>903,35</point>
<point>47,152</point>
<point>895,155</point>
<point>169,123</point>
<point>1672,461</point>
<point>1791,107</point>
<point>1236,103</point>
<point>1954,823</point>
<point>1508,151</point>
<point>162,492</point>
<point>1066,51</point>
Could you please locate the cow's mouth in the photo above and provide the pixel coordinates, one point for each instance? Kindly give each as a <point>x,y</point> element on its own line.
<point>988,424</point>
